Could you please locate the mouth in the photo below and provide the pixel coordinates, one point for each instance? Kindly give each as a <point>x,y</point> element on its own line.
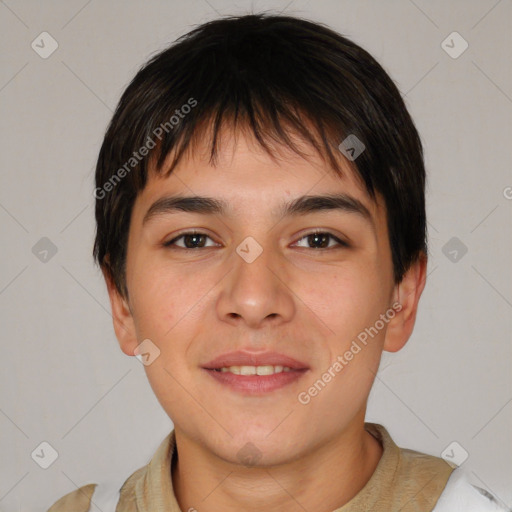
<point>253,370</point>
<point>255,373</point>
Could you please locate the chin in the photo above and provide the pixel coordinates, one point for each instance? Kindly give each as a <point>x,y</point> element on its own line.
<point>253,454</point>
<point>261,445</point>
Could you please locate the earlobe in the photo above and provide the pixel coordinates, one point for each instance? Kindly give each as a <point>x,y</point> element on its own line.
<point>407,294</point>
<point>124,326</point>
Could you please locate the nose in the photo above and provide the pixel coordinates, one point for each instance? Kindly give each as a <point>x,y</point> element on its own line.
<point>256,292</point>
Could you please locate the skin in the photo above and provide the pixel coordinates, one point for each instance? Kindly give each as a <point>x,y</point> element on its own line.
<point>295,298</point>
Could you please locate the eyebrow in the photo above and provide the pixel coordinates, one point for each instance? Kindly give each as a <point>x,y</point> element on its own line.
<point>300,206</point>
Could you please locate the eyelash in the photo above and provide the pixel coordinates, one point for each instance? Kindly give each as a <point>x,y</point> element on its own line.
<point>171,243</point>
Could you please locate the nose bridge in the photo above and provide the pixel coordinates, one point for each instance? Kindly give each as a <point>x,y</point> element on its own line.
<point>254,290</point>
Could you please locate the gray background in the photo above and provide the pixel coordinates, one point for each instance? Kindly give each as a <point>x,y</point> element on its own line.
<point>64,379</point>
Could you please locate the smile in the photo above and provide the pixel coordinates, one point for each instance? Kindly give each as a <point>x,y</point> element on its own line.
<point>254,370</point>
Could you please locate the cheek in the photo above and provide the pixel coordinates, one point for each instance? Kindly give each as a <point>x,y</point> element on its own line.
<point>170,307</point>
<point>346,299</point>
<point>162,297</point>
<point>349,301</point>
<point>166,306</point>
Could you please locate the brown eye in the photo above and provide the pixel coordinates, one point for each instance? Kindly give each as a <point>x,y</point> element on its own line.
<point>191,240</point>
<point>321,240</point>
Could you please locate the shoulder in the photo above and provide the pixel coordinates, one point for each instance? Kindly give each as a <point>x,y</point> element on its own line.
<point>414,463</point>
<point>78,500</point>
<point>118,493</point>
<point>461,495</point>
<point>412,470</point>
<point>105,496</point>
<point>422,477</point>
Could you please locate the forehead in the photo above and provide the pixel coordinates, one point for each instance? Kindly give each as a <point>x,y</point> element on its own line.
<point>244,174</point>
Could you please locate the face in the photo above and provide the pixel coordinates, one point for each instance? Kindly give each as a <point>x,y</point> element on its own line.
<point>283,288</point>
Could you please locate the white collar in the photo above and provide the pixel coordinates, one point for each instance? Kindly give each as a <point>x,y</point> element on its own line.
<point>460,495</point>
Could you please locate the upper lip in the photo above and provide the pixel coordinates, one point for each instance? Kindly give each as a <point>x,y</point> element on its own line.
<point>242,358</point>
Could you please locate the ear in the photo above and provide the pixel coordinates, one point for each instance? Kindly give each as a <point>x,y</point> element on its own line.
<point>124,325</point>
<point>406,294</point>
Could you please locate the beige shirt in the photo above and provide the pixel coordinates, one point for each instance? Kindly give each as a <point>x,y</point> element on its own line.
<point>404,480</point>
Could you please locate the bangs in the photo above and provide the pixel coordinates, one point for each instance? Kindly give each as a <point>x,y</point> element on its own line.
<point>270,128</point>
<point>254,84</point>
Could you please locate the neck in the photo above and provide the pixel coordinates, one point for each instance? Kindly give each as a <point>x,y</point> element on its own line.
<point>322,480</point>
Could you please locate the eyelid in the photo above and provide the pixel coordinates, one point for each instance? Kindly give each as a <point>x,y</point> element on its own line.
<point>339,240</point>
<point>177,236</point>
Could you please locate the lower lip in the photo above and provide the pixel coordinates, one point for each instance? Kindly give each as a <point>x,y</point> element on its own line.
<point>256,384</point>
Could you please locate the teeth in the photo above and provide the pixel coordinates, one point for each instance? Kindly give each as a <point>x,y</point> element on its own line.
<point>248,370</point>
<point>255,370</point>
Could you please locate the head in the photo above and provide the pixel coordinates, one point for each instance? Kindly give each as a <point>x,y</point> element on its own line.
<point>234,212</point>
